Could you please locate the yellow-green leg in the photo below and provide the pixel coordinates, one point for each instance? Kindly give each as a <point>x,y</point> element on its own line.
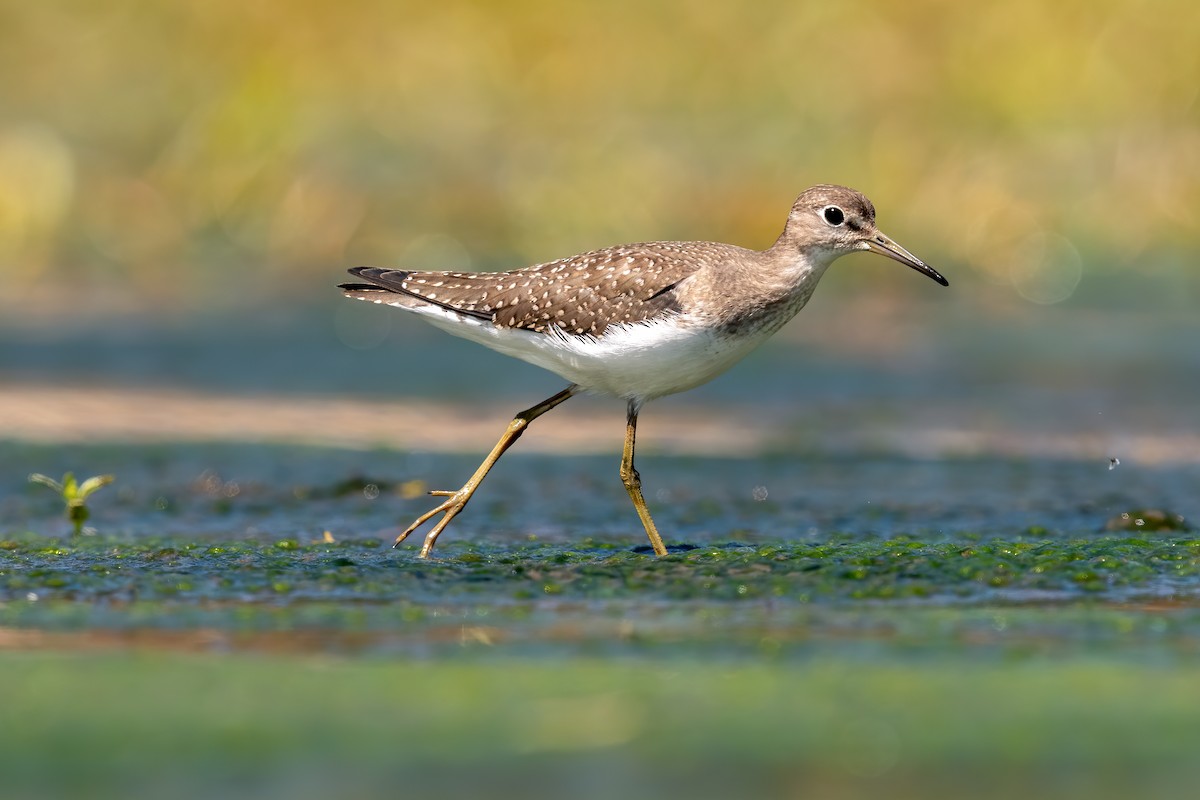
<point>633,481</point>
<point>457,501</point>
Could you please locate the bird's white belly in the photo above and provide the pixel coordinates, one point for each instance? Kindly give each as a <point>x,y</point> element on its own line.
<point>639,361</point>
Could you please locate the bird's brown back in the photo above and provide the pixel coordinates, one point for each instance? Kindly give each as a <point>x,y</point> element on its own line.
<point>581,295</point>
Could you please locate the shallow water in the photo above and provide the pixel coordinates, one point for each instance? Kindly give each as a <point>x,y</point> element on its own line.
<point>195,525</point>
<point>252,491</point>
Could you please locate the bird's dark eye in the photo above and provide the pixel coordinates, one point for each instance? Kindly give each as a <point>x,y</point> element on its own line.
<point>833,215</point>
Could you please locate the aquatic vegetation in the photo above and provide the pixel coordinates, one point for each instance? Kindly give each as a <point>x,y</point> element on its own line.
<point>74,494</point>
<point>961,571</point>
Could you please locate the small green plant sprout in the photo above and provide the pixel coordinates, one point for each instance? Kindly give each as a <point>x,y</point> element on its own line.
<point>74,494</point>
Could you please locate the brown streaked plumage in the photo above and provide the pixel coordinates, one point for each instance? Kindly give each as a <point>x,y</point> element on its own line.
<point>583,294</point>
<point>636,321</point>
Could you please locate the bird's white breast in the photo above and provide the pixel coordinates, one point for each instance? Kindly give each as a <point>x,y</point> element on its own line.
<point>638,361</point>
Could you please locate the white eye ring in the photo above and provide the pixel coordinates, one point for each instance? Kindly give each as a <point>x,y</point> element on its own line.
<point>834,216</point>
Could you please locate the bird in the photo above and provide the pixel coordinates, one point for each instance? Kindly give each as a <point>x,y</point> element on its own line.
<point>636,321</point>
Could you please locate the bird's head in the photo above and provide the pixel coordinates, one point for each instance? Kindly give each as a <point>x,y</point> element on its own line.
<point>829,221</point>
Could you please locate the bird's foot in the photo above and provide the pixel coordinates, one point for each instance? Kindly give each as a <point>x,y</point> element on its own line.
<point>450,507</point>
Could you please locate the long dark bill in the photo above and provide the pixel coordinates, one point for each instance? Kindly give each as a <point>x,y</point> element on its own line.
<point>886,247</point>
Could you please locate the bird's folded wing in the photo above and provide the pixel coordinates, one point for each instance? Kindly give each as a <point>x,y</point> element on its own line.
<point>581,295</point>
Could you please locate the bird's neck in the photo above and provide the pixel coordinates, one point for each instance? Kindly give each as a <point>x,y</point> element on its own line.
<point>795,268</point>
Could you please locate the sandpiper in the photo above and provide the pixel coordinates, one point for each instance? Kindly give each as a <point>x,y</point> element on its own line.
<point>635,321</point>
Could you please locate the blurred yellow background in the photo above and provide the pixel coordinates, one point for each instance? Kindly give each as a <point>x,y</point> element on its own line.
<point>171,154</point>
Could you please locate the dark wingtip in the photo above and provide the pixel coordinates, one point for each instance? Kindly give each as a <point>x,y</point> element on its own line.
<point>390,280</point>
<point>371,274</point>
<point>357,287</point>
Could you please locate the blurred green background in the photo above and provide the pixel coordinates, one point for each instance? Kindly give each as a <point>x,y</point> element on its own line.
<point>159,156</point>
